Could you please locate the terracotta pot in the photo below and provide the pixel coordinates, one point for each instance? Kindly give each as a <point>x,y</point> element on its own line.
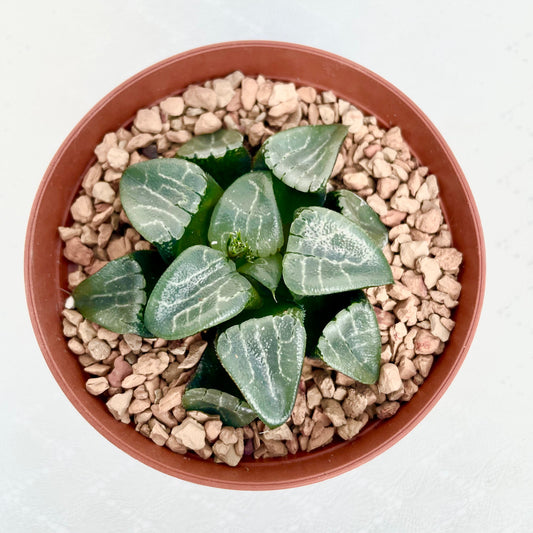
<point>46,270</point>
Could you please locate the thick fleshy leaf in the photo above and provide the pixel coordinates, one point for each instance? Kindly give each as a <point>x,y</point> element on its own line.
<point>116,295</point>
<point>328,253</point>
<point>351,342</point>
<point>221,154</point>
<point>264,356</point>
<point>169,202</point>
<point>266,270</point>
<point>210,374</point>
<point>289,200</point>
<point>358,211</point>
<point>200,289</point>
<point>232,411</point>
<point>248,212</point>
<point>319,311</point>
<point>303,157</point>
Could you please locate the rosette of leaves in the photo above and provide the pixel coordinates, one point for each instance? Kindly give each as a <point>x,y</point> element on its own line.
<point>261,257</point>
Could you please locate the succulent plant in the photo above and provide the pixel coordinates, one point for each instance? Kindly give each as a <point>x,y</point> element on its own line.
<point>260,256</point>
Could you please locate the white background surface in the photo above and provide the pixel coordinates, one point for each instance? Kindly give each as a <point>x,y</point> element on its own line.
<point>468,465</point>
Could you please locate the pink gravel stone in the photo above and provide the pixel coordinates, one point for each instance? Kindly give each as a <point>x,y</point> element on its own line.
<point>121,369</point>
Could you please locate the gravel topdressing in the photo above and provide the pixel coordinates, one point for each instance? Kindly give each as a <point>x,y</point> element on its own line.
<point>142,380</point>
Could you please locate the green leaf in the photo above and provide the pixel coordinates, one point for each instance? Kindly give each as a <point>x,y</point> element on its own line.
<point>169,202</point>
<point>200,289</point>
<point>212,391</point>
<point>289,200</point>
<point>248,212</point>
<point>237,249</point>
<point>268,307</point>
<point>303,157</point>
<point>264,356</point>
<point>328,253</point>
<point>232,411</point>
<point>266,270</point>
<point>115,296</point>
<point>319,311</point>
<point>351,342</point>
<point>221,154</point>
<point>358,211</point>
<point>210,374</point>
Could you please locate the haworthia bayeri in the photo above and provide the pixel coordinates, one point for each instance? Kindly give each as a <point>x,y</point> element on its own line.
<point>200,289</point>
<point>116,295</point>
<point>266,270</point>
<point>264,356</point>
<point>358,211</point>
<point>169,202</point>
<point>232,411</point>
<point>221,154</point>
<point>248,210</point>
<point>303,157</point>
<point>328,253</point>
<point>351,342</point>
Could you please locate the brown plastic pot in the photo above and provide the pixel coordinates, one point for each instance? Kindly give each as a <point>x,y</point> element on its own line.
<point>46,270</point>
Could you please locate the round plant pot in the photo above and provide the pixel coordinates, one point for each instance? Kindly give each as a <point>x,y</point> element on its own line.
<point>46,269</point>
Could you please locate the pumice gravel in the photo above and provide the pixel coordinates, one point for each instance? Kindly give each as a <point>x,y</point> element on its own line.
<point>143,380</point>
